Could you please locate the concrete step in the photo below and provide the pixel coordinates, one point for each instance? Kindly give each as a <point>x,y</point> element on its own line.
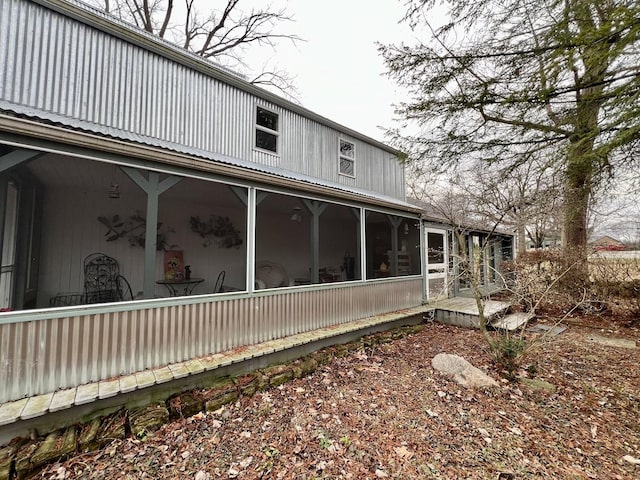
<point>512,321</point>
<point>464,311</point>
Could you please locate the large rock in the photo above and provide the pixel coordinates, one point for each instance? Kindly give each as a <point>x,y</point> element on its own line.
<point>462,371</point>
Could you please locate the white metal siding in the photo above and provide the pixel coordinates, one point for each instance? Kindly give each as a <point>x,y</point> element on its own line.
<point>40,356</point>
<point>56,64</point>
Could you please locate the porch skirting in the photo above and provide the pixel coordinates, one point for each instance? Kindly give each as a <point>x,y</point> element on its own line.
<point>46,350</point>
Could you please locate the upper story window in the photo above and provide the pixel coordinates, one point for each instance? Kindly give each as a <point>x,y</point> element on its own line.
<point>266,130</point>
<point>347,156</point>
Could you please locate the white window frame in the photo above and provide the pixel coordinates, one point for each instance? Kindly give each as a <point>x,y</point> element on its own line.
<point>346,157</point>
<point>257,127</point>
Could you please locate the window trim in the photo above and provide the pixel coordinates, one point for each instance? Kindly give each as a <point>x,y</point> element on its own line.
<point>345,157</point>
<point>257,127</point>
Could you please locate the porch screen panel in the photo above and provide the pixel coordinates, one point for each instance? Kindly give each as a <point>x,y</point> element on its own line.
<point>283,241</point>
<point>393,245</point>
<point>202,225</point>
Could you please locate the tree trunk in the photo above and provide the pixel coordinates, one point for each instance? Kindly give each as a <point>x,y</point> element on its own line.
<point>521,234</point>
<point>576,206</point>
<point>578,185</point>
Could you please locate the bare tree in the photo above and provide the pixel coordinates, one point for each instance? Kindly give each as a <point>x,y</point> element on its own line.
<point>223,32</point>
<point>526,197</point>
<point>504,77</point>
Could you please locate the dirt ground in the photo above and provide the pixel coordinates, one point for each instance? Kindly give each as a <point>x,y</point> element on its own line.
<point>385,413</point>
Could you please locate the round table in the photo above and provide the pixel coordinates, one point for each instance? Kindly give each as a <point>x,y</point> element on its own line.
<point>179,288</point>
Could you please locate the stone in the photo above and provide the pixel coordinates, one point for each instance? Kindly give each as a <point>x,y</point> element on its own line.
<point>219,384</point>
<point>111,428</point>
<point>185,405</point>
<point>248,384</point>
<point>281,378</point>
<point>148,419</point>
<point>6,461</point>
<point>462,371</point>
<point>87,435</point>
<point>23,467</point>
<point>612,341</point>
<point>307,366</point>
<point>57,445</point>
<point>219,401</point>
<point>631,460</point>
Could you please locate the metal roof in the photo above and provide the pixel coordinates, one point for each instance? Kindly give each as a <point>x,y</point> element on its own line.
<point>127,136</point>
<point>116,27</point>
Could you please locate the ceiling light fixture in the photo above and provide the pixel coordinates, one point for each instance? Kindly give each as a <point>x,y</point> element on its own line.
<point>295,215</point>
<point>114,189</point>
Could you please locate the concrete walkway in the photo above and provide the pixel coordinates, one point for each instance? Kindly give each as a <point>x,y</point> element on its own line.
<point>64,407</point>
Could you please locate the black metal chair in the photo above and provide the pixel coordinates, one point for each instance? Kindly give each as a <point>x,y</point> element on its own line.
<point>219,282</point>
<point>124,289</point>
<point>102,280</point>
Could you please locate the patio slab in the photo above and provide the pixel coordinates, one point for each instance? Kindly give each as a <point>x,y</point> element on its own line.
<point>10,412</point>
<point>36,406</point>
<point>108,388</point>
<point>128,383</point>
<point>62,399</point>
<point>145,379</point>
<point>86,393</point>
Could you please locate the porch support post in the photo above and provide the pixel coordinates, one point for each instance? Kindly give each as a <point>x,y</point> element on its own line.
<point>358,214</point>
<point>252,204</point>
<point>4,184</point>
<point>16,157</point>
<point>395,222</point>
<point>315,208</point>
<point>153,187</point>
<point>251,199</point>
<point>362,242</point>
<point>424,259</point>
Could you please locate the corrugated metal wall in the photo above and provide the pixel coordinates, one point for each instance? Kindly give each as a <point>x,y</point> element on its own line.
<point>41,356</point>
<point>54,63</point>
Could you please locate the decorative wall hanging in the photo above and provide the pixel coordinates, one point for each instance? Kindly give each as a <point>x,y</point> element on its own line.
<point>218,230</point>
<point>134,229</point>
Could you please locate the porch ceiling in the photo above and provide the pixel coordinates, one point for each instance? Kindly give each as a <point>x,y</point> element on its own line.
<point>61,172</point>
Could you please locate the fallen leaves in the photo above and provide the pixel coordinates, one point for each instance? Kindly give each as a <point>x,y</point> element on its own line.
<point>383,413</point>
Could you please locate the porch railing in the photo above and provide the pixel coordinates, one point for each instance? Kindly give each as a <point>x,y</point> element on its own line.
<point>43,351</point>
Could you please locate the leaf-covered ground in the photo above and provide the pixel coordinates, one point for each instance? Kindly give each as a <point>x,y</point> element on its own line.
<point>385,413</point>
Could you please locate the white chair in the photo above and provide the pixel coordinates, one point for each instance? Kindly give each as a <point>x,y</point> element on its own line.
<point>272,275</point>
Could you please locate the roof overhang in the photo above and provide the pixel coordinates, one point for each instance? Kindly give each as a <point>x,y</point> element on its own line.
<point>30,129</point>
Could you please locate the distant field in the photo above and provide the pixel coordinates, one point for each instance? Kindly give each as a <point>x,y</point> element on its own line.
<point>615,266</point>
<point>625,254</point>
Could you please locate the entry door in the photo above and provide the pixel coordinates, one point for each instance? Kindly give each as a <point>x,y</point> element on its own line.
<point>21,219</point>
<point>8,242</point>
<point>437,263</point>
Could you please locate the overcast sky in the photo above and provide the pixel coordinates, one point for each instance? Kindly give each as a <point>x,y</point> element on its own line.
<point>338,70</point>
